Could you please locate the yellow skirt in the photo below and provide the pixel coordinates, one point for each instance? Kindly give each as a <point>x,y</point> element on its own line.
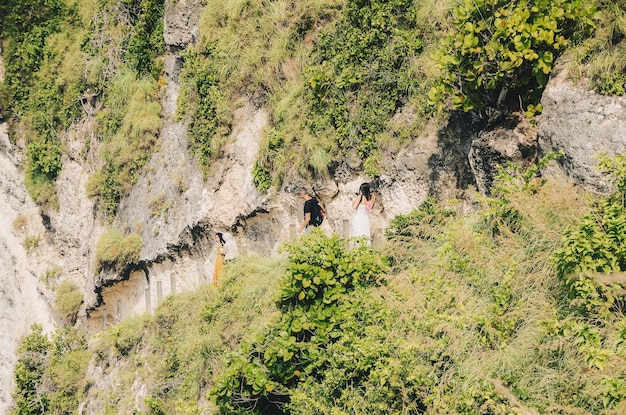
<point>219,266</point>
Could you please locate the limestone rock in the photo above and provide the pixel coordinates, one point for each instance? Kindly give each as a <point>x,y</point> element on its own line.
<point>583,124</point>
<point>511,139</point>
<point>180,24</point>
<point>21,300</point>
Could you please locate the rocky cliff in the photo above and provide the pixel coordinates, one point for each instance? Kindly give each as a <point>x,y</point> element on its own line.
<point>42,247</point>
<point>24,253</point>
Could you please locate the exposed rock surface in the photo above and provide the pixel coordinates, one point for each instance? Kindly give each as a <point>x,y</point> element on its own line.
<point>510,139</point>
<point>21,300</point>
<point>181,22</point>
<point>583,124</point>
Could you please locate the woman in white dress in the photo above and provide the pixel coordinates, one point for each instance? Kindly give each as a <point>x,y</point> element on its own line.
<point>363,205</point>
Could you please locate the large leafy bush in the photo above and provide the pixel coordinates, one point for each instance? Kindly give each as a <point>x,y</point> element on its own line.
<point>320,302</point>
<point>503,51</point>
<point>593,255</point>
<point>50,374</point>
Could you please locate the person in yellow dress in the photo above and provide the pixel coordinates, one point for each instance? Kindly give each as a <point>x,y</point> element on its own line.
<point>219,258</point>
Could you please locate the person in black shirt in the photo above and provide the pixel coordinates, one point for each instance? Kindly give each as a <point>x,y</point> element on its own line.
<point>310,204</point>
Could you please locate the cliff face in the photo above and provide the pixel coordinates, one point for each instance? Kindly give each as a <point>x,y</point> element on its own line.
<point>178,251</point>
<point>23,298</point>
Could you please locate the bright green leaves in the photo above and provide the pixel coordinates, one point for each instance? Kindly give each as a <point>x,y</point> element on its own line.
<point>596,247</point>
<point>586,338</point>
<point>497,44</point>
<point>318,303</point>
<point>322,269</point>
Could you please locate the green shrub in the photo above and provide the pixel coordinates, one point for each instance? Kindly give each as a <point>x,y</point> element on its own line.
<point>127,337</point>
<point>32,355</point>
<point>67,302</point>
<point>502,52</point>
<point>596,247</point>
<point>41,189</point>
<point>66,373</point>
<point>105,188</point>
<point>31,242</point>
<point>27,25</point>
<point>115,250</point>
<point>204,102</point>
<point>261,177</point>
<point>44,158</point>
<point>317,312</point>
<point>50,375</point>
<point>43,165</point>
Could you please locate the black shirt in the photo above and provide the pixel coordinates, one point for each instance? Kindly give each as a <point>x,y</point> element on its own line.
<point>309,207</point>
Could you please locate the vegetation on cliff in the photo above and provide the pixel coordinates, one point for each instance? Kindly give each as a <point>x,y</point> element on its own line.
<point>515,308</point>
<point>357,80</point>
<point>67,60</point>
<point>342,79</point>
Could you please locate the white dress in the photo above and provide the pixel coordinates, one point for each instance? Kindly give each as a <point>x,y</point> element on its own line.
<point>361,222</point>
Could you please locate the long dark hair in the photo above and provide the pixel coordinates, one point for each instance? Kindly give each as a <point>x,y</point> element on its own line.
<point>366,191</point>
<point>221,236</point>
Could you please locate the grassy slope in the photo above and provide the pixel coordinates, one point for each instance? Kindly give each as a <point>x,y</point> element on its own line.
<point>473,314</point>
<point>475,300</point>
<point>177,352</point>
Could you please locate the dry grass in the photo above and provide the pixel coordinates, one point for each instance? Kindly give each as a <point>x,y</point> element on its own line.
<point>463,288</point>
<point>177,351</point>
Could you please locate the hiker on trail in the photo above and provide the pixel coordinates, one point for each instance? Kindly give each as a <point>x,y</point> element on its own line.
<point>219,258</point>
<point>231,252</point>
<point>313,213</point>
<point>363,204</point>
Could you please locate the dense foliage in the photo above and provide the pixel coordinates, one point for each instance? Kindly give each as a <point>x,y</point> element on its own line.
<point>29,371</point>
<point>360,72</point>
<point>501,48</point>
<point>32,90</point>
<point>66,61</point>
<point>320,307</point>
<point>593,257</point>
<point>516,308</point>
<point>50,374</point>
<point>203,103</point>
